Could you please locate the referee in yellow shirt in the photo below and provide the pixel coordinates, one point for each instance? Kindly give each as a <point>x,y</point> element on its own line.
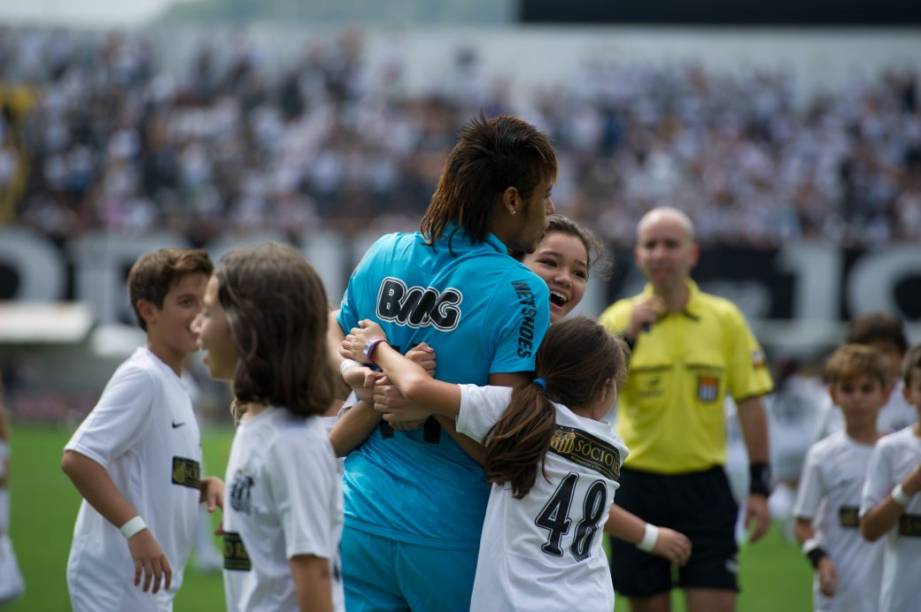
<point>689,350</point>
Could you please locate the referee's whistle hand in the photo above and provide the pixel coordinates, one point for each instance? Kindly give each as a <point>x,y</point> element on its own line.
<point>644,315</point>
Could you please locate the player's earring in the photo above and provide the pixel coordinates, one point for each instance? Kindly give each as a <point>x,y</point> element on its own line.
<point>514,211</point>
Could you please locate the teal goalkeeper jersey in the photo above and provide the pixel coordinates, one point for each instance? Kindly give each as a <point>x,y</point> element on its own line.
<point>483,313</point>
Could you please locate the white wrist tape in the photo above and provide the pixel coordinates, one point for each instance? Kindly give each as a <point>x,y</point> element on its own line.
<point>133,527</point>
<point>810,545</point>
<point>348,364</point>
<point>650,537</point>
<point>900,496</point>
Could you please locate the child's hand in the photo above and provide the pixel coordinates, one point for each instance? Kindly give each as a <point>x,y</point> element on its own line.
<point>369,378</point>
<point>423,355</point>
<point>353,345</point>
<point>355,379</point>
<point>912,482</point>
<point>673,545</point>
<point>212,493</point>
<point>149,562</point>
<point>395,407</point>
<point>828,576</point>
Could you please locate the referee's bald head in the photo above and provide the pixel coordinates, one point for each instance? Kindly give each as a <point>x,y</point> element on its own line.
<point>668,214</point>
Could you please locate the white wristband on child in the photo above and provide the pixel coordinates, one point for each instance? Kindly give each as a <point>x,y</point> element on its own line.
<point>348,364</point>
<point>133,527</point>
<point>810,545</point>
<point>900,496</point>
<point>650,537</point>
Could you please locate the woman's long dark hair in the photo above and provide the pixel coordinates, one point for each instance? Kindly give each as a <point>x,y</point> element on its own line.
<point>277,311</point>
<point>576,360</point>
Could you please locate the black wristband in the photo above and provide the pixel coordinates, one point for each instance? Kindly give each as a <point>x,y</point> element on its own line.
<point>759,474</point>
<point>815,555</point>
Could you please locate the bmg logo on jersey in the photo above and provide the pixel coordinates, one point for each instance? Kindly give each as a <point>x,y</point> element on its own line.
<point>241,493</point>
<point>418,306</point>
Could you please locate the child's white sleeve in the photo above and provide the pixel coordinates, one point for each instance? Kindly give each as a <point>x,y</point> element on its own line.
<point>480,409</point>
<point>811,488</point>
<point>117,421</point>
<point>879,481</point>
<point>304,486</point>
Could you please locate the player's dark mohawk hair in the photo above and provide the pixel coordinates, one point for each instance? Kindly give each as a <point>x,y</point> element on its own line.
<point>490,156</point>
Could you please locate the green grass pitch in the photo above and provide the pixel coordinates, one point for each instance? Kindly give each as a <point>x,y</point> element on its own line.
<point>774,575</point>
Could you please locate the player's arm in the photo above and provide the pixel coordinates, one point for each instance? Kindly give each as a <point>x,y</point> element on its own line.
<point>353,427</point>
<point>356,423</point>
<point>753,421</point>
<point>334,338</point>
<point>312,583</point>
<point>661,541</point>
<point>96,487</point>
<point>876,522</point>
<point>425,395</point>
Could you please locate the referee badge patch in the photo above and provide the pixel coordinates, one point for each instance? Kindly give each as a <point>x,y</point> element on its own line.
<point>708,388</point>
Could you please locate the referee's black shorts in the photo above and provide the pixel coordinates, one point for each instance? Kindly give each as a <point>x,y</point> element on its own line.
<point>698,504</point>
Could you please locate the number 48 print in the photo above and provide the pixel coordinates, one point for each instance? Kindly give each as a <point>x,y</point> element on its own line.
<point>554,517</point>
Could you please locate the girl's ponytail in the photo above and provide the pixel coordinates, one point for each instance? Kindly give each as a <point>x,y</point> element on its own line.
<point>576,361</point>
<point>518,442</point>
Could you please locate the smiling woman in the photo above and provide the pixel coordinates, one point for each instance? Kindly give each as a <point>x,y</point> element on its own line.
<point>563,258</point>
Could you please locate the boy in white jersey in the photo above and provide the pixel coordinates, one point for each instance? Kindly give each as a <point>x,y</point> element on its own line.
<point>885,333</point>
<point>135,458</point>
<point>891,505</point>
<point>263,327</point>
<point>847,566</point>
<point>553,462</point>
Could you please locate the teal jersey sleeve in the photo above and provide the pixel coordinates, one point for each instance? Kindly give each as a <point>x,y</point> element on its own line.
<point>524,301</point>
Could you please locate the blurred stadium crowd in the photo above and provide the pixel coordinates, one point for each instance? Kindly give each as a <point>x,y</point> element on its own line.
<point>97,132</point>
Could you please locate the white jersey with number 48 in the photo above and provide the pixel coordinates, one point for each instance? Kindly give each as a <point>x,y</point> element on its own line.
<point>543,552</point>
